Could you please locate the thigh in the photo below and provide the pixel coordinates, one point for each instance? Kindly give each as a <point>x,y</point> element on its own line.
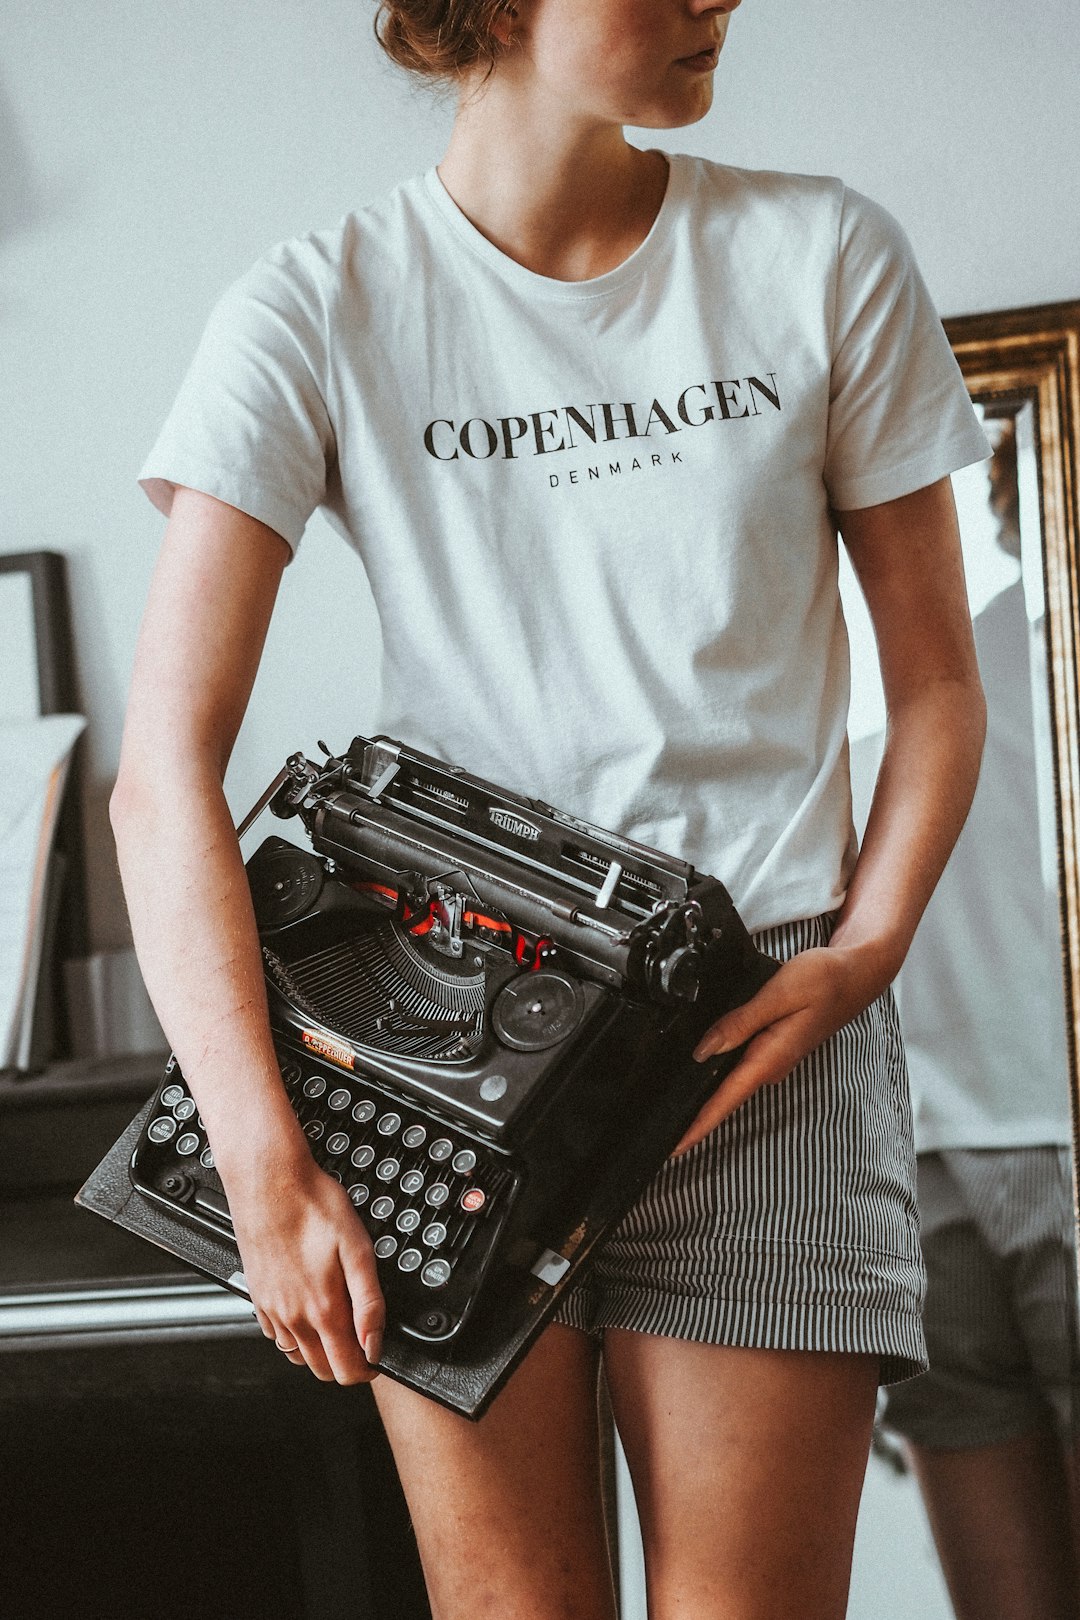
<point>508,1511</point>
<point>748,1468</point>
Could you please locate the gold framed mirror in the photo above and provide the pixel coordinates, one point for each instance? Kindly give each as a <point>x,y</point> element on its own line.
<point>989,1002</point>
<point>1028,361</point>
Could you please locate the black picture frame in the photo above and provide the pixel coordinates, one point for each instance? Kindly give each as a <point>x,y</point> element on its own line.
<point>47,573</point>
<point>58,693</point>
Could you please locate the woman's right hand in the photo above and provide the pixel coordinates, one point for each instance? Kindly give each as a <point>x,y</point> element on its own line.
<point>309,1267</point>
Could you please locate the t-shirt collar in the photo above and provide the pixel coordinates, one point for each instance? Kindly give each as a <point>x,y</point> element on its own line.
<point>528,281</point>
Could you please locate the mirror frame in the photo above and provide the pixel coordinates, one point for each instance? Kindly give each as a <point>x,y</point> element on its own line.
<point>1034,355</point>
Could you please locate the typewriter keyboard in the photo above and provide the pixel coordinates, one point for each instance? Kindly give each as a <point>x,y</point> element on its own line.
<point>423,1191</point>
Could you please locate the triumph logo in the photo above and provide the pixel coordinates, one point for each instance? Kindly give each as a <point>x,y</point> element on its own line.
<point>514,824</point>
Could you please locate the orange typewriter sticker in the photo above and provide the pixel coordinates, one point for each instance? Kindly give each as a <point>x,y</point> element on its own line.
<point>327,1047</point>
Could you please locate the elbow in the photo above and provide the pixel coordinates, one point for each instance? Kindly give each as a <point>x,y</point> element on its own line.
<point>977,712</point>
<point>155,792</point>
<point>139,800</point>
<point>126,809</point>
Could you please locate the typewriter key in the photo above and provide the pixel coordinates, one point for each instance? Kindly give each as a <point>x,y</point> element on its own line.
<point>473,1199</point>
<point>409,1259</point>
<point>363,1156</point>
<point>388,1124</point>
<point>434,1234</point>
<point>440,1149</point>
<point>412,1181</point>
<point>415,1136</point>
<point>314,1129</point>
<point>358,1193</point>
<point>172,1095</point>
<point>162,1129</point>
<point>437,1194</point>
<point>464,1161</point>
<point>385,1246</point>
<point>314,1086</point>
<point>178,1186</point>
<point>338,1143</point>
<point>382,1208</point>
<point>363,1112</point>
<point>387,1170</point>
<point>338,1100</point>
<point>187,1143</point>
<point>436,1273</point>
<point>408,1220</point>
<point>184,1108</point>
<point>206,1159</point>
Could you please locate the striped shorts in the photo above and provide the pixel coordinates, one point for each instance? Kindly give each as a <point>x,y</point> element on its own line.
<point>999,1239</point>
<point>793,1225</point>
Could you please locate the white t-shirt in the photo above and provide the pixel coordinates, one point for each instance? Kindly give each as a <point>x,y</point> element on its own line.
<point>595,515</point>
<point>981,994</point>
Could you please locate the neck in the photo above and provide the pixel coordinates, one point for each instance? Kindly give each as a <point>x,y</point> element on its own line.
<point>566,200</point>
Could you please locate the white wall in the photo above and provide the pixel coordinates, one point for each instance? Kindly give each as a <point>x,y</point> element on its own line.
<point>148,154</point>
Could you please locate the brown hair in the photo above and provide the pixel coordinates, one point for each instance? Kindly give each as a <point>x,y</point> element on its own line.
<point>440,39</point>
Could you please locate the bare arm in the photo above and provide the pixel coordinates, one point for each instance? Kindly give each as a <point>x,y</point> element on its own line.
<point>307,1258</point>
<point>907,556</point>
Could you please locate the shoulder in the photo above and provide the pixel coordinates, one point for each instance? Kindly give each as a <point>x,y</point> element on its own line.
<point>764,194</point>
<point>802,206</point>
<point>304,285</point>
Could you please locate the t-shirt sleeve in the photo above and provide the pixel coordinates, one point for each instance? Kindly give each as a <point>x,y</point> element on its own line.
<point>900,416</point>
<point>250,423</point>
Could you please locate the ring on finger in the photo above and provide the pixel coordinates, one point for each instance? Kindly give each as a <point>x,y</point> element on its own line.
<point>287,1349</point>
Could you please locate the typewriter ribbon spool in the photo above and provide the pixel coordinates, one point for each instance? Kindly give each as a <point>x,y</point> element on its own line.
<point>484,1010</point>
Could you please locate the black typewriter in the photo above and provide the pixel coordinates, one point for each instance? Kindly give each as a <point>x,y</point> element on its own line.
<point>484,1011</point>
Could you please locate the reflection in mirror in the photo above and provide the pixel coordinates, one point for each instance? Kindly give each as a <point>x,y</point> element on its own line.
<point>991,1430</point>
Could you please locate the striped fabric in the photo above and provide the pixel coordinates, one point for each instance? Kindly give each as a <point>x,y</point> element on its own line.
<point>999,1240</point>
<point>791,1226</point>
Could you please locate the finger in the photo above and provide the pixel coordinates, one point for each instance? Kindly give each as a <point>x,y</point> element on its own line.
<point>312,1355</point>
<point>776,999</point>
<point>720,1105</point>
<point>767,1060</point>
<point>281,1336</point>
<point>265,1323</point>
<point>346,1358</point>
<point>341,1345</point>
<point>368,1305</point>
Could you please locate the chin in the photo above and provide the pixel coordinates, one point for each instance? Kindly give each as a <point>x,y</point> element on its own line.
<point>673,113</point>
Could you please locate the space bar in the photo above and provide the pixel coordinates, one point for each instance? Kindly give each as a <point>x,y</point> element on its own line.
<point>214,1203</point>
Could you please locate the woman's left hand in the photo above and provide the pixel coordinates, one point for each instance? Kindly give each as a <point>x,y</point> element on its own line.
<point>811,997</point>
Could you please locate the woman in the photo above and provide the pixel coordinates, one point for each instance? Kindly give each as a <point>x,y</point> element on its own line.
<point>591,416</point>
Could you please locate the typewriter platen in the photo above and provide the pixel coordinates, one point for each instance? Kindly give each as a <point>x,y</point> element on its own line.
<point>484,1011</point>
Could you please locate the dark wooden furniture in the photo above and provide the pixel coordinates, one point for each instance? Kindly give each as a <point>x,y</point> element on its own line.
<point>156,1454</point>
